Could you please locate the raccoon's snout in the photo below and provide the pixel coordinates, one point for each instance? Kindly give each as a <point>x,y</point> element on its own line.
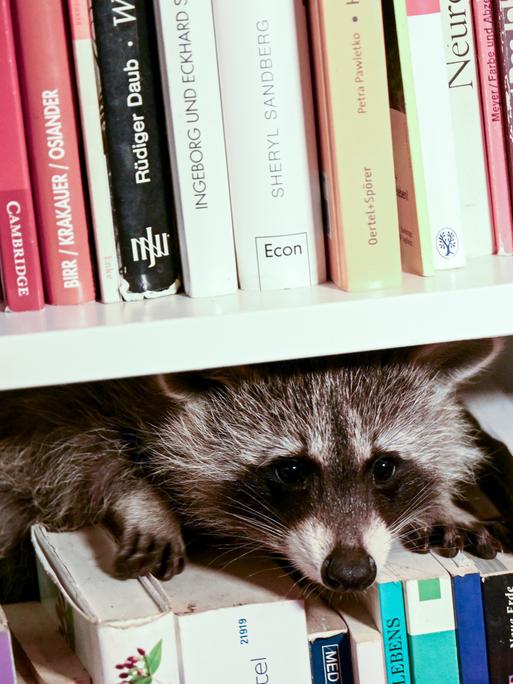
<point>348,569</point>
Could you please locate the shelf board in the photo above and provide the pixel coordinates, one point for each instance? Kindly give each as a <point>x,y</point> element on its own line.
<point>94,341</point>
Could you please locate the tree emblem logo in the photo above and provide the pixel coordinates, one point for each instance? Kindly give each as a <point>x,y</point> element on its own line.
<point>447,243</point>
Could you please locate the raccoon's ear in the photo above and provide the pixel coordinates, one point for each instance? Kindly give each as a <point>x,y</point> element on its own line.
<point>191,386</point>
<point>458,361</point>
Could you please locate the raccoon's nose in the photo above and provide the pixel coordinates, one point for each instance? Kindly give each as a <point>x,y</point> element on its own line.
<point>348,569</point>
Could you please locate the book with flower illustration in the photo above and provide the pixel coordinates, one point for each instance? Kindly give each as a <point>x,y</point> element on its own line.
<point>118,629</point>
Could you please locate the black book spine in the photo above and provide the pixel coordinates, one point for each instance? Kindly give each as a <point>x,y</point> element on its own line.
<point>498,611</point>
<point>136,147</point>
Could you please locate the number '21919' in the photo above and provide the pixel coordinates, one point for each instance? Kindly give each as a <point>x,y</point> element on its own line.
<point>243,632</point>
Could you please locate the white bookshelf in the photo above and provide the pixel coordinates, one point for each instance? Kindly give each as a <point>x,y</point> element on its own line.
<point>95,341</point>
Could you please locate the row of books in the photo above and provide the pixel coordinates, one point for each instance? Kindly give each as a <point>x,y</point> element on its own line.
<point>232,619</point>
<point>201,156</point>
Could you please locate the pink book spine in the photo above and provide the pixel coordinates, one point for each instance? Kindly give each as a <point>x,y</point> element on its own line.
<point>19,252</point>
<point>499,181</point>
<point>50,119</point>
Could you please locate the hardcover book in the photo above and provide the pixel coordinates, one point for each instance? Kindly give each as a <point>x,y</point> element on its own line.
<point>244,616</point>
<point>53,150</point>
<point>367,654</point>
<point>115,627</point>
<point>7,671</point>
<point>355,144</point>
<point>490,84</point>
<point>19,251</point>
<point>468,613</point>
<point>462,81</point>
<point>386,604</point>
<point>429,612</point>
<point>192,100</point>
<point>89,97</point>
<point>330,648</point>
<point>41,648</point>
<point>425,160</point>
<point>136,148</point>
<point>270,142</point>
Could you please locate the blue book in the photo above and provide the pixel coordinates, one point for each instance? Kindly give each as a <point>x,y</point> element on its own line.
<point>469,614</point>
<point>330,648</point>
<point>386,603</point>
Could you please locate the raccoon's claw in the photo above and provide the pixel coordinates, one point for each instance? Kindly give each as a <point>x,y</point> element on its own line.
<point>446,539</point>
<point>140,554</point>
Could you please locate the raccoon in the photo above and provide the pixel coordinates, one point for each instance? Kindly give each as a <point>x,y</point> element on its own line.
<point>324,461</point>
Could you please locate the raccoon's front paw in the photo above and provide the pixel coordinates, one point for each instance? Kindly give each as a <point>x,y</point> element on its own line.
<point>446,539</point>
<point>149,536</point>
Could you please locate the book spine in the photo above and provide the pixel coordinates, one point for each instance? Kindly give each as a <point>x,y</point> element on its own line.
<point>7,671</point>
<point>53,151</point>
<point>138,163</point>
<point>424,41</point>
<point>414,228</point>
<point>330,658</point>
<point>192,102</point>
<point>431,630</point>
<point>498,611</point>
<point>463,86</point>
<point>19,251</point>
<point>393,629</point>
<point>356,144</point>
<point>470,629</point>
<point>87,79</point>
<point>258,651</point>
<point>270,141</point>
<point>491,96</point>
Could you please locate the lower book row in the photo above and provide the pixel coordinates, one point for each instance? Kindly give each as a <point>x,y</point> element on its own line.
<point>243,619</point>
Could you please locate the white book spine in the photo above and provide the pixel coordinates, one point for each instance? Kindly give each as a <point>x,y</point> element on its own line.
<point>245,644</point>
<point>195,130</point>
<point>436,139</point>
<point>270,139</point>
<point>87,79</point>
<point>465,100</point>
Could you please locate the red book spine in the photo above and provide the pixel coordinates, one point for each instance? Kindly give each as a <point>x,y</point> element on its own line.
<point>52,139</point>
<point>19,252</point>
<point>486,50</point>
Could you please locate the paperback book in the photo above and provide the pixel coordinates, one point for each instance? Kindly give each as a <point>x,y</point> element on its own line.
<point>425,160</point>
<point>7,671</point>
<point>469,617</point>
<point>195,133</point>
<point>19,252</point>
<point>52,138</point>
<point>465,102</point>
<point>113,626</point>
<point>367,655</point>
<point>89,98</point>
<point>269,129</point>
<point>330,648</point>
<point>136,148</point>
<point>355,144</point>
<point>490,84</point>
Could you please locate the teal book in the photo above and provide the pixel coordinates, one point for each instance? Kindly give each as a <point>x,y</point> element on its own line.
<point>386,604</point>
<point>430,622</point>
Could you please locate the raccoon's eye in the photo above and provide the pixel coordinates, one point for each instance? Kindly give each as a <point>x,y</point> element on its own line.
<point>293,472</point>
<point>384,469</point>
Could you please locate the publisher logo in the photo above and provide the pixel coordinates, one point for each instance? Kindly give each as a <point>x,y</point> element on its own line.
<point>151,247</point>
<point>447,243</point>
<point>331,661</point>
<point>283,261</point>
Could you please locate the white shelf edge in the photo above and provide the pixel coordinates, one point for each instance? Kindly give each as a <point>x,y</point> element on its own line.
<point>96,341</point>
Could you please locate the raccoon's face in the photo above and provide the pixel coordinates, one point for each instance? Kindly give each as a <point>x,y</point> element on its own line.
<point>325,462</point>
